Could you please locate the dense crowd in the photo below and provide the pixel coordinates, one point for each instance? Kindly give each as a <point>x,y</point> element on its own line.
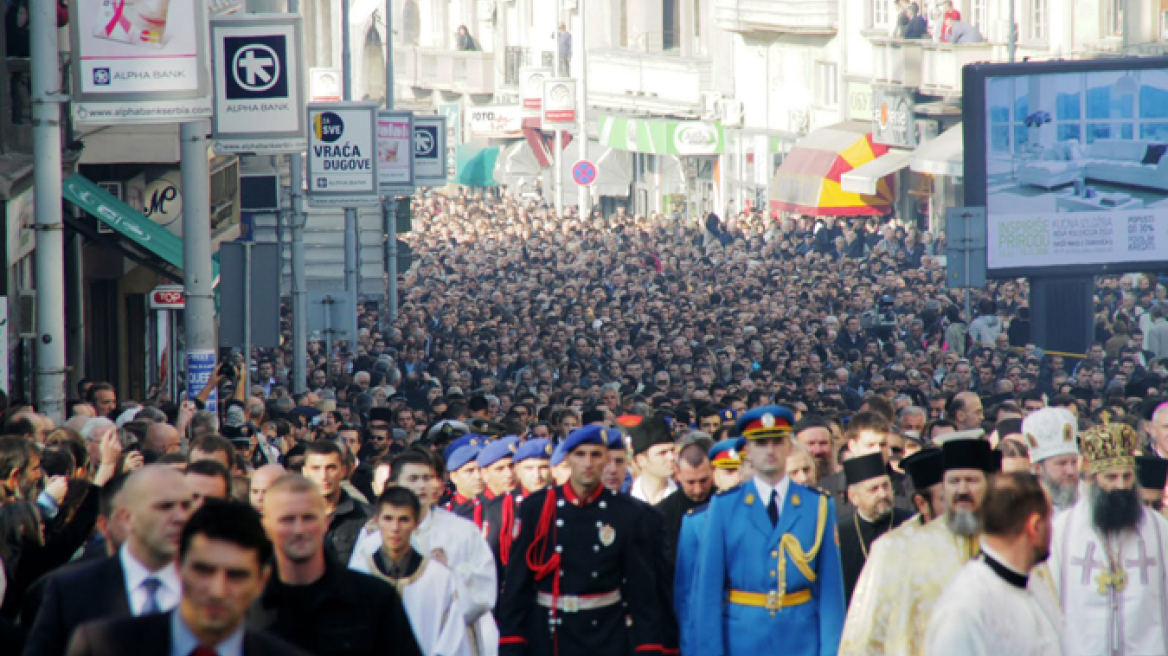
<point>546,451</point>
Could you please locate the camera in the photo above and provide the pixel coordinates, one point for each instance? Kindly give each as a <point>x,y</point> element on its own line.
<point>881,322</point>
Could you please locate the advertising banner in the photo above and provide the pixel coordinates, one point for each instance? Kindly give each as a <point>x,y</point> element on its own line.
<point>200,366</point>
<point>495,122</point>
<point>140,61</point>
<point>531,90</point>
<point>559,102</point>
<point>395,152</point>
<point>342,154</point>
<point>429,151</point>
<point>893,119</point>
<point>325,85</point>
<point>259,89</point>
<point>1083,237</point>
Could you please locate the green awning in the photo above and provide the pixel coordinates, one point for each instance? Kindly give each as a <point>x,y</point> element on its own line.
<point>662,136</point>
<point>476,165</point>
<point>127,221</point>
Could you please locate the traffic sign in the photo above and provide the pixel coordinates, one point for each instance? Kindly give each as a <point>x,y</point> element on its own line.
<point>259,90</point>
<point>584,173</point>
<point>430,151</point>
<point>168,297</point>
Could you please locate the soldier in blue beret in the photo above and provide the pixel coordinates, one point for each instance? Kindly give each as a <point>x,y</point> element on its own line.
<point>580,567</point>
<point>768,558</point>
<point>463,469</point>
<point>497,517</point>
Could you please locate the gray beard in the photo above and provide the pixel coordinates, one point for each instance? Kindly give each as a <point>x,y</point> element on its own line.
<point>1062,497</point>
<point>963,522</point>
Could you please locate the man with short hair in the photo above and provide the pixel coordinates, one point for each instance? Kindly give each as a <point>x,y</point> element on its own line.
<point>868,432</point>
<point>261,480</point>
<point>695,476</point>
<point>103,397</point>
<point>162,438</point>
<point>207,479</point>
<point>224,564</point>
<point>20,468</point>
<point>324,464</point>
<point>427,587</point>
<point>903,578</point>
<point>870,493</point>
<point>996,605</point>
<point>141,579</point>
<point>1157,427</point>
<point>965,411</point>
<point>1109,555</point>
<point>315,602</point>
<point>213,447</point>
<point>1052,435</point>
<point>813,432</point>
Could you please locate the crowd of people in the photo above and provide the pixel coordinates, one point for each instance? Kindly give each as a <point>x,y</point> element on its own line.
<point>620,435</point>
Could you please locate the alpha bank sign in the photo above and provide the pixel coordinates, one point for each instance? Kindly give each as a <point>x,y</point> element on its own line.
<point>893,118</point>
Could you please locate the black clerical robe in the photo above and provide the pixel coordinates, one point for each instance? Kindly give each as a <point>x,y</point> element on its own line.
<point>856,535</point>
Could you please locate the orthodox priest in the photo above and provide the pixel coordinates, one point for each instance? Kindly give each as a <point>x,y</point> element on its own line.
<point>904,577</point>
<point>1109,556</point>
<point>870,493</point>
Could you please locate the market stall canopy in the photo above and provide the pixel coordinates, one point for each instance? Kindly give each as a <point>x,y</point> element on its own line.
<point>865,179</point>
<point>943,155</point>
<point>809,181</point>
<point>476,165</point>
<point>516,166</point>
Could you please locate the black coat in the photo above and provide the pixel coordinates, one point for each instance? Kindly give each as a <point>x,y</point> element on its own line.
<point>855,547</point>
<point>345,613</point>
<point>91,592</point>
<point>150,634</point>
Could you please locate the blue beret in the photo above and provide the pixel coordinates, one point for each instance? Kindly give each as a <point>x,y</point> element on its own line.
<point>465,440</point>
<point>616,439</point>
<point>559,454</point>
<point>590,434</point>
<point>537,448</point>
<point>766,422</point>
<point>462,456</point>
<point>727,454</point>
<point>727,414</point>
<point>497,450</point>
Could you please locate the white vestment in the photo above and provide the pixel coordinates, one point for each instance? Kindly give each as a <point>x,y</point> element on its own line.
<point>431,603</point>
<point>981,614</point>
<point>468,557</point>
<point>1129,619</point>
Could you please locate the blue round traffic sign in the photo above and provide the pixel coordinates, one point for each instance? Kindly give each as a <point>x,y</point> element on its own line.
<point>584,173</point>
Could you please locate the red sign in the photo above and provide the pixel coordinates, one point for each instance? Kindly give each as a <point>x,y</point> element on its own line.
<point>167,297</point>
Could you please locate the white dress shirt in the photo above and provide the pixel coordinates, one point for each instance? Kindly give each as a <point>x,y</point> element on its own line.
<point>765,491</point>
<point>183,640</point>
<point>169,593</point>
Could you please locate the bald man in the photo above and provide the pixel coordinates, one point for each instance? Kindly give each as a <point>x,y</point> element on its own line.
<point>261,480</point>
<point>142,578</point>
<point>163,439</point>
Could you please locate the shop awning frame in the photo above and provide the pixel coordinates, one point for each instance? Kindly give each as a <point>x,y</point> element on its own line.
<point>943,155</point>
<point>809,181</point>
<point>865,179</point>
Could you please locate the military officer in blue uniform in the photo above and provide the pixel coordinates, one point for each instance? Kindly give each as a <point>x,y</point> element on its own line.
<point>768,558</point>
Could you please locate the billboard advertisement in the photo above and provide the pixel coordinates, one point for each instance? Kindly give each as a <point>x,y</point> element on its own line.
<point>1068,159</point>
<point>259,85</point>
<point>395,152</point>
<point>140,61</point>
<point>342,154</point>
<point>559,102</point>
<point>531,90</point>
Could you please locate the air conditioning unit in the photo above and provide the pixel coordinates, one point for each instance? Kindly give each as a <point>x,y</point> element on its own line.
<point>26,312</point>
<point>732,112</point>
<point>926,130</point>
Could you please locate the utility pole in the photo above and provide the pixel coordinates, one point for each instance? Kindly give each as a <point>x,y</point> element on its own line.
<point>585,193</point>
<point>297,220</point>
<point>352,246</point>
<point>198,276</point>
<point>559,168</point>
<point>50,237</point>
<point>389,204</point>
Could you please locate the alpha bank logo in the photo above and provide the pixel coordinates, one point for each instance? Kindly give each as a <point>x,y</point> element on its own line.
<point>255,67</point>
<point>425,140</point>
<point>101,77</point>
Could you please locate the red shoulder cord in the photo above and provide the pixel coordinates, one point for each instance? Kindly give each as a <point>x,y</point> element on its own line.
<point>507,528</point>
<point>544,533</point>
<point>478,515</point>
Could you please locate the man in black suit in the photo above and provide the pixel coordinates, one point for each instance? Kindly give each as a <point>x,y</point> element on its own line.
<point>141,579</point>
<point>223,564</point>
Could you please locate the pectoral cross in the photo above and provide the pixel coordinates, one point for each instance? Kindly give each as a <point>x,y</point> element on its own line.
<point>1143,562</point>
<point>1116,580</point>
<point>1088,563</point>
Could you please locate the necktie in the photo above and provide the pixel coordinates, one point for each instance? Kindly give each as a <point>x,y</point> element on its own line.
<point>151,585</point>
<point>773,509</point>
<point>203,651</point>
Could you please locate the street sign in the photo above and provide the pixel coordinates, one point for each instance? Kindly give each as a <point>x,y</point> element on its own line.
<point>139,62</point>
<point>430,151</point>
<point>531,90</point>
<point>325,84</point>
<point>395,152</point>
<point>259,192</point>
<point>584,173</point>
<point>261,293</point>
<point>559,102</point>
<point>965,256</point>
<point>259,89</point>
<point>342,154</point>
<point>168,297</point>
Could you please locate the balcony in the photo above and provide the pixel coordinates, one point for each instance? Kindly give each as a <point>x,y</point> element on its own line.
<point>941,65</point>
<point>405,66</point>
<point>896,62</point>
<point>456,71</point>
<point>778,16</point>
<point>647,82</point>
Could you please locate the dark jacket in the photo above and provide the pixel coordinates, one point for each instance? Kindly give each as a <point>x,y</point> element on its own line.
<point>150,634</point>
<point>855,546</point>
<point>917,28</point>
<point>345,613</point>
<point>345,526</point>
<point>92,592</point>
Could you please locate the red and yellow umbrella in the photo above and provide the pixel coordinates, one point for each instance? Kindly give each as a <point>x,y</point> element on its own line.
<point>808,181</point>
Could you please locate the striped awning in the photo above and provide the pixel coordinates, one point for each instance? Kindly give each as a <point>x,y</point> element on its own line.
<point>809,180</point>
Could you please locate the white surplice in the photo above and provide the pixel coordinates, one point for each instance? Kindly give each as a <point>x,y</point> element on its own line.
<point>431,601</point>
<point>1101,620</point>
<point>981,614</point>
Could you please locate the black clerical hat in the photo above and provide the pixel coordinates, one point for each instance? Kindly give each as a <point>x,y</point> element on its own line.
<point>863,468</point>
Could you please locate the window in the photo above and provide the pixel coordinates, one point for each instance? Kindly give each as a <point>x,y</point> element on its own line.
<point>881,13</point>
<point>1114,17</point>
<point>1038,18</point>
<point>826,84</point>
<point>978,14</point>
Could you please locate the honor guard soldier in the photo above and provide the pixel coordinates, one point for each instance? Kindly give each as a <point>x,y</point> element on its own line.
<point>462,467</point>
<point>580,567</point>
<point>768,558</point>
<point>497,517</point>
